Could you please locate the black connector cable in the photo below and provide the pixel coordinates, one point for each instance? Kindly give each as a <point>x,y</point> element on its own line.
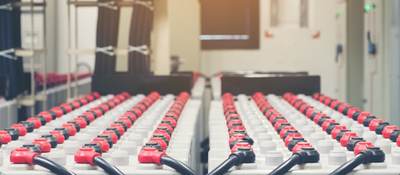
<point>286,165</point>
<point>107,167</point>
<point>235,159</point>
<point>371,155</point>
<point>306,155</point>
<point>177,165</point>
<point>224,167</point>
<point>349,165</point>
<point>52,166</point>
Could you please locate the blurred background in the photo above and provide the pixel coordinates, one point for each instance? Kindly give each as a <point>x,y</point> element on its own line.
<point>352,45</point>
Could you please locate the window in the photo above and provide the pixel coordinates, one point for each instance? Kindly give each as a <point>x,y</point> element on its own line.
<point>230,24</point>
<point>289,13</point>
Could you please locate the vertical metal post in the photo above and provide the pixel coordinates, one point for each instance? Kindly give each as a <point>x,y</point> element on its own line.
<point>69,47</point>
<point>76,57</point>
<point>32,65</point>
<point>44,59</point>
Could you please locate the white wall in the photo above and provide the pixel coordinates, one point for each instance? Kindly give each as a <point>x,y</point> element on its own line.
<point>184,16</point>
<point>290,49</point>
<point>381,71</point>
<point>393,35</point>
<point>87,23</point>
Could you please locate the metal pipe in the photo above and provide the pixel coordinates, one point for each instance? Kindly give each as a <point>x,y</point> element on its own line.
<point>44,59</point>
<point>69,46</point>
<point>33,84</point>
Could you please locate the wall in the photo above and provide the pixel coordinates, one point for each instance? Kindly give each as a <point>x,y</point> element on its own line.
<point>87,22</point>
<point>355,53</point>
<point>290,49</point>
<point>393,53</point>
<point>184,16</point>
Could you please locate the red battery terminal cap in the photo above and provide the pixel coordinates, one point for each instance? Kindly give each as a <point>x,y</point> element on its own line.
<point>22,131</point>
<point>22,156</point>
<point>150,155</point>
<point>86,156</point>
<point>43,144</point>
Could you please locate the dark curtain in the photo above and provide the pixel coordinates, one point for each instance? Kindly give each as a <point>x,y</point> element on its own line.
<point>107,34</point>
<point>10,37</point>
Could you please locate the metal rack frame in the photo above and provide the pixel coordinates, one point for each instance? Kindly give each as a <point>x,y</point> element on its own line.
<point>74,51</point>
<point>30,53</point>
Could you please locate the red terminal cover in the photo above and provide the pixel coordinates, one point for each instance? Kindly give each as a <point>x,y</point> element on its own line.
<point>236,137</point>
<point>291,136</point>
<point>326,123</point>
<point>130,115</point>
<point>318,116</point>
<point>43,144</point>
<point>82,122</point>
<point>343,106</point>
<point>163,133</point>
<point>362,117</point>
<point>126,121</point>
<point>334,103</point>
<point>285,129</point>
<point>279,122</point>
<point>36,122</point>
<point>103,144</point>
<point>90,116</point>
<point>114,137</point>
<point>137,111</point>
<point>119,127</point>
<point>160,141</point>
<point>58,111</point>
<point>388,130</point>
<point>76,104</point>
<point>309,112</point>
<point>346,138</point>
<point>299,146</point>
<point>59,136</point>
<point>70,128</point>
<point>240,146</point>
<point>336,130</point>
<point>83,101</point>
<point>5,137</point>
<point>374,124</point>
<point>352,111</point>
<point>97,111</point>
<point>86,156</point>
<point>20,128</point>
<point>164,125</point>
<point>67,107</point>
<point>22,156</point>
<point>46,115</point>
<point>104,107</point>
<point>362,146</point>
<point>150,155</point>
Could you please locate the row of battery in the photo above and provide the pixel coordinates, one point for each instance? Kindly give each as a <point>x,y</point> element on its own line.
<point>272,146</point>
<point>55,95</point>
<point>123,154</point>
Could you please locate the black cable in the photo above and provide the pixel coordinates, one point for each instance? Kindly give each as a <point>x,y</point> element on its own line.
<point>224,167</point>
<point>286,165</point>
<point>349,165</point>
<point>180,167</point>
<point>52,166</point>
<point>107,167</point>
